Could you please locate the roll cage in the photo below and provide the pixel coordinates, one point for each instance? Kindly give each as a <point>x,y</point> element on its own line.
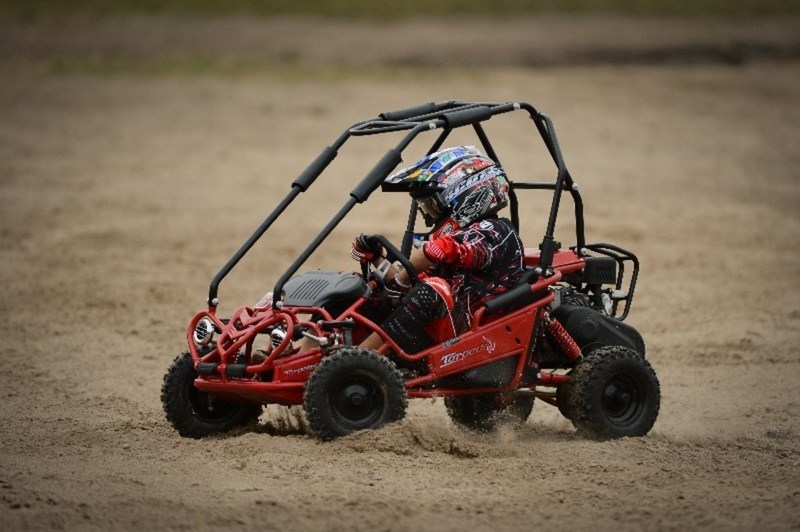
<point>446,117</point>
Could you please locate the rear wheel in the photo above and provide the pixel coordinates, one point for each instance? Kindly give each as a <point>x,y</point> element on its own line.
<point>485,412</point>
<point>352,390</point>
<point>195,414</point>
<point>614,393</point>
<point>563,403</point>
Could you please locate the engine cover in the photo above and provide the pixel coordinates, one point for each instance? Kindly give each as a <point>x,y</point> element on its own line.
<point>323,287</point>
<point>591,329</point>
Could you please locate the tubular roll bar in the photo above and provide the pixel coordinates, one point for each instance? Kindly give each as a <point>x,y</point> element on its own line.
<point>415,120</point>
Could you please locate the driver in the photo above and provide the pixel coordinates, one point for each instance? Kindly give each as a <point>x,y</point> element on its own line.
<point>470,254</point>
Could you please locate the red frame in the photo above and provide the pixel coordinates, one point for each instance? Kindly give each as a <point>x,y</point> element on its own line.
<point>281,379</point>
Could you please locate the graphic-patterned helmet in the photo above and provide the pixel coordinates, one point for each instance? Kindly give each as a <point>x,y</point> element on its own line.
<point>459,182</point>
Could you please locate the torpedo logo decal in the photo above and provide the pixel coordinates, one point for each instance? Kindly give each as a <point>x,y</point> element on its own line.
<point>487,346</point>
<point>297,371</point>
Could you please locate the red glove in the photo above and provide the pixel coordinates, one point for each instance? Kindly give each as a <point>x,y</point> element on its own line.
<point>364,251</point>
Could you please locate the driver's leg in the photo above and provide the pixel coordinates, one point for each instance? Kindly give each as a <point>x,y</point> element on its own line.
<point>406,324</point>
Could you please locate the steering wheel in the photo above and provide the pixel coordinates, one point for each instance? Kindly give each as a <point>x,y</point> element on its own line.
<point>392,254</point>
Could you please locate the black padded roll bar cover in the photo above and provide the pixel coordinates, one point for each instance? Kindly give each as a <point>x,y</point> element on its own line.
<point>317,166</point>
<point>467,116</point>
<point>518,294</point>
<point>376,176</point>
<point>402,114</point>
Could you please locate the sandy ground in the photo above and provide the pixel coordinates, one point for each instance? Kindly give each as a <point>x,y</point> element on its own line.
<point>122,194</point>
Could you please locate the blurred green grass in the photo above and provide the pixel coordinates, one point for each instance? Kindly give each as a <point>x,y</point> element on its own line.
<point>32,9</point>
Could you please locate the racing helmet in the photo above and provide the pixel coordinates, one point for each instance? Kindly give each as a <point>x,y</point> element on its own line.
<point>459,183</point>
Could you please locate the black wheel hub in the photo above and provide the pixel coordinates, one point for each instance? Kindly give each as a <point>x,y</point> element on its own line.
<point>622,400</point>
<point>357,401</point>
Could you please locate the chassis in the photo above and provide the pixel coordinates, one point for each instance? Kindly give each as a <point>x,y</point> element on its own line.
<point>558,335</point>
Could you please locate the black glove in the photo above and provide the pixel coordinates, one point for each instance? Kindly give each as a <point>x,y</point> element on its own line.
<point>364,251</point>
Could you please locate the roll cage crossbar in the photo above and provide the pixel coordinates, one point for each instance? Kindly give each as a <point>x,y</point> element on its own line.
<point>446,117</point>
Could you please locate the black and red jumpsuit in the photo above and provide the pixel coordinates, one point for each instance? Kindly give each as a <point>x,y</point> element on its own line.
<point>483,259</point>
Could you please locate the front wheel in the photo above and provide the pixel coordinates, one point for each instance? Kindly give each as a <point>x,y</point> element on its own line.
<point>195,414</point>
<point>614,393</point>
<point>354,389</point>
<point>485,412</point>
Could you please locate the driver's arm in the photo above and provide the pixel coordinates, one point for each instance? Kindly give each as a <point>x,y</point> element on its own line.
<point>418,260</point>
<point>420,263</point>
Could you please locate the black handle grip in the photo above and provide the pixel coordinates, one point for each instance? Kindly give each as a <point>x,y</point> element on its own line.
<point>342,324</point>
<point>376,176</point>
<point>518,294</point>
<point>410,112</point>
<point>467,116</point>
<point>314,169</point>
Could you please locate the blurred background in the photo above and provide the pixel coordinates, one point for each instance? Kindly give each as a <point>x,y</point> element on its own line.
<point>243,36</point>
<point>203,99</point>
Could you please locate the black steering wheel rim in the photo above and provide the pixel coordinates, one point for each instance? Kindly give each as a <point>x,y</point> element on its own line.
<point>393,254</point>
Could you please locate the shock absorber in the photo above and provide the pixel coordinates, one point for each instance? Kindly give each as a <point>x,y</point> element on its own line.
<point>563,337</point>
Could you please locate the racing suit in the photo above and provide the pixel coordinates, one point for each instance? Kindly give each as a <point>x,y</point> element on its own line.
<point>471,263</point>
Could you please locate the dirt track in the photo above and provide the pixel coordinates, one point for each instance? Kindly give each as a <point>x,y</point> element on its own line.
<point>122,195</point>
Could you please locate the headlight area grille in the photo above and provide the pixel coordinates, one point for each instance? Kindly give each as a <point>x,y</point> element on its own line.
<point>203,332</point>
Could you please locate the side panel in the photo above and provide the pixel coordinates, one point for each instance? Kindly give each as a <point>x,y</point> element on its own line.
<point>296,369</point>
<point>503,338</point>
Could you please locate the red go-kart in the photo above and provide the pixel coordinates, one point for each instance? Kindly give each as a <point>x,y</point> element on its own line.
<point>558,335</point>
